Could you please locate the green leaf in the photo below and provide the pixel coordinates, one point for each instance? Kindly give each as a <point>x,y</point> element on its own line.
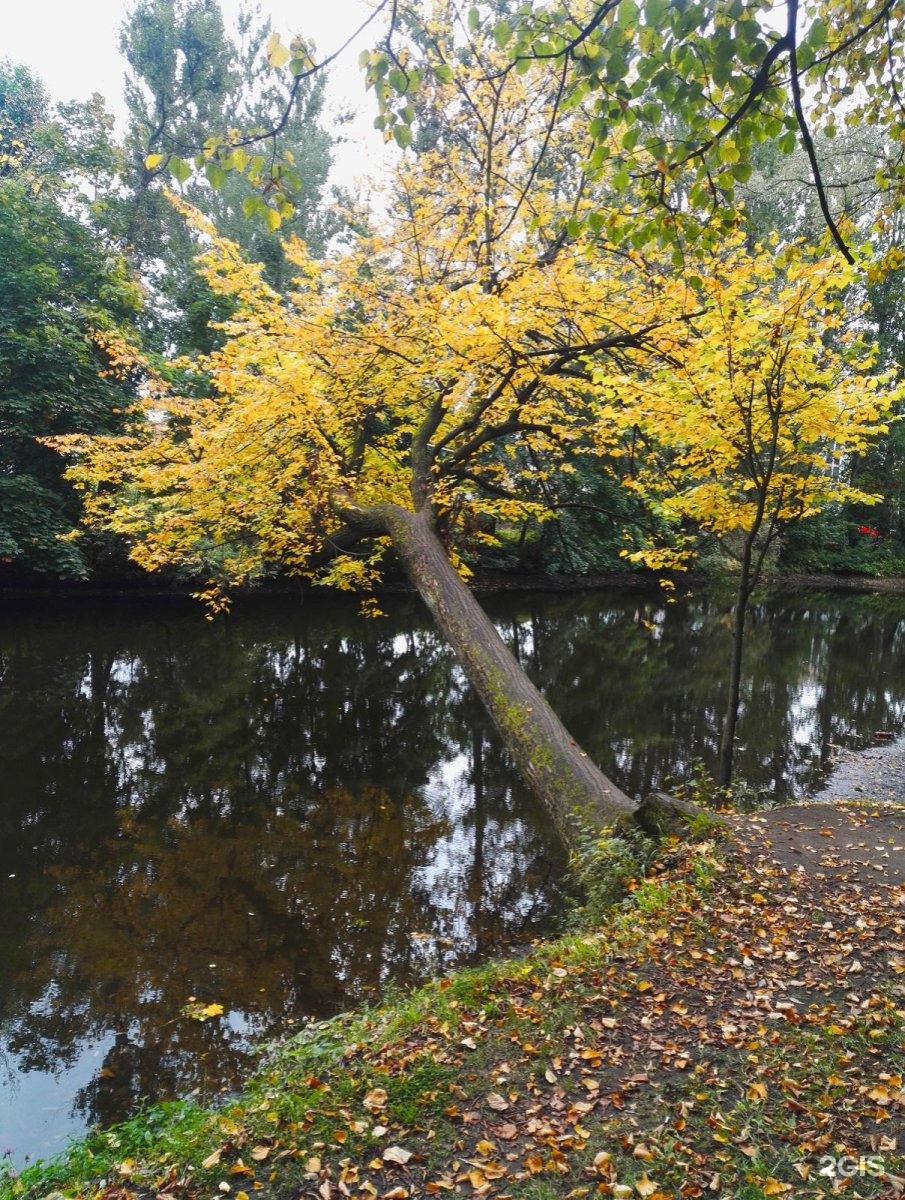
<point>180,169</point>
<point>816,37</point>
<point>398,80</point>
<point>724,50</point>
<point>722,73</point>
<point>502,33</point>
<point>655,11</point>
<point>474,20</point>
<point>616,67</point>
<point>216,176</point>
<point>402,135</point>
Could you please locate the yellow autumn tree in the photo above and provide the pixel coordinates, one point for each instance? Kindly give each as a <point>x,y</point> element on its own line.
<point>743,421</point>
<point>415,388</point>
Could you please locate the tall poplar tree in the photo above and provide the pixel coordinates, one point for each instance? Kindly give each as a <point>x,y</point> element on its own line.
<point>191,79</point>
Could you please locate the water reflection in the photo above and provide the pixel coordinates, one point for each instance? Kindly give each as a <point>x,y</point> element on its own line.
<point>643,684</point>
<point>277,813</point>
<point>283,811</point>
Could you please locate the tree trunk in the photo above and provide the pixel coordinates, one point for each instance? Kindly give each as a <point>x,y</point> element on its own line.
<point>571,788</point>
<point>730,723</point>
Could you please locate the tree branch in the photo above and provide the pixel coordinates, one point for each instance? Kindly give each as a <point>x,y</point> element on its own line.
<point>807,140</point>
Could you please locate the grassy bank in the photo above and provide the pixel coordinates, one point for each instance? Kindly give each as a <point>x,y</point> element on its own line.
<point>730,1030</point>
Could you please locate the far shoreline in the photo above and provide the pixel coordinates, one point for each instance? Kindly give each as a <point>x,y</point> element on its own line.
<point>490,582</point>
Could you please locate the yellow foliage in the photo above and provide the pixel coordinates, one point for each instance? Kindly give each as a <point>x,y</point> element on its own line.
<point>745,415</point>
<point>461,355</point>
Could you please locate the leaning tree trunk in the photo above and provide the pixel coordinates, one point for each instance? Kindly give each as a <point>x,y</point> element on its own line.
<point>570,787</point>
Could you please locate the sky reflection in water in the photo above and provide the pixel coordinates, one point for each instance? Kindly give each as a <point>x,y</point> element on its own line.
<point>283,811</point>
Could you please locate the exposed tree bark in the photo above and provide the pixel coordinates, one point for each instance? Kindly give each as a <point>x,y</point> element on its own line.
<point>571,788</point>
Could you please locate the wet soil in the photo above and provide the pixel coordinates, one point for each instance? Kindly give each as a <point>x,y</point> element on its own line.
<point>877,773</point>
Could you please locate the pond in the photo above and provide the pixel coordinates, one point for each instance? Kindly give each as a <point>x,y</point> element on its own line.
<point>283,811</point>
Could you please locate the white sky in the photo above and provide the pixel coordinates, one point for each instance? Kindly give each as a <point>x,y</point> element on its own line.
<point>72,46</point>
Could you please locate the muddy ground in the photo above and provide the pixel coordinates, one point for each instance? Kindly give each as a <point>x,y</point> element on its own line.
<point>877,773</point>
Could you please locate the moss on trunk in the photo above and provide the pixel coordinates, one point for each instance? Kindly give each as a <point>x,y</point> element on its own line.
<point>572,789</point>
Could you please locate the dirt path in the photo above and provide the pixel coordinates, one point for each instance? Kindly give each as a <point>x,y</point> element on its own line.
<point>877,772</point>
<point>855,843</point>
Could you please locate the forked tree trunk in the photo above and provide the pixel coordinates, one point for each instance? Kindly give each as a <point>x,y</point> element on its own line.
<point>571,788</point>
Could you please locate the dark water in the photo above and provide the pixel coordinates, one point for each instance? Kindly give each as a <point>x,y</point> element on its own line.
<point>286,810</point>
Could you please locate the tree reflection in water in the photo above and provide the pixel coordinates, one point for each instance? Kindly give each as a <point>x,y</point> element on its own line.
<point>285,810</point>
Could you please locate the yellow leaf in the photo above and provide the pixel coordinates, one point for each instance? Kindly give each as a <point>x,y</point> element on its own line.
<point>277,54</point>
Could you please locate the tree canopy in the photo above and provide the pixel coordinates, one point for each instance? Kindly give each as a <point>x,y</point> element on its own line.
<point>190,79</point>
<point>66,294</point>
<point>423,387</point>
